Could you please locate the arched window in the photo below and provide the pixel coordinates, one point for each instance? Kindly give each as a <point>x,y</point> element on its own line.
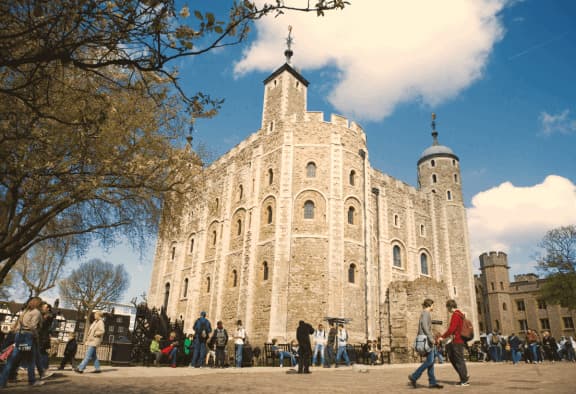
<point>207,284</point>
<point>265,270</point>
<point>432,163</point>
<point>352,177</point>
<point>214,237</point>
<point>240,192</point>
<point>453,162</point>
<point>234,278</point>
<point>449,195</point>
<point>351,215</point>
<point>269,214</point>
<point>185,288</point>
<point>397,256</point>
<point>421,230</point>
<point>166,295</point>
<point>191,245</point>
<point>455,178</point>
<point>309,210</point>
<point>434,178</point>
<point>173,252</point>
<point>239,227</point>
<point>504,307</point>
<point>217,203</point>
<point>311,170</point>
<point>424,264</point>
<point>351,273</point>
<point>270,176</point>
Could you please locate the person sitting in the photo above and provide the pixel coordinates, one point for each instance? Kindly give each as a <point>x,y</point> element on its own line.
<point>281,354</point>
<point>155,349</point>
<point>372,351</point>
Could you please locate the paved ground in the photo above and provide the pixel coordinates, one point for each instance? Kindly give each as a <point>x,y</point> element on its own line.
<point>486,378</point>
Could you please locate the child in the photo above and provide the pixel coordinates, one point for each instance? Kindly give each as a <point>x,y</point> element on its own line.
<point>69,352</point>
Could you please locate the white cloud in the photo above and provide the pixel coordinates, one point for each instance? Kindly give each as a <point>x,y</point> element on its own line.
<point>387,52</point>
<point>559,123</point>
<point>514,219</point>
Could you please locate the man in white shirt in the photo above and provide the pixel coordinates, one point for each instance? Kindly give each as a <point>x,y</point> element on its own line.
<point>319,345</point>
<point>239,338</point>
<point>342,339</point>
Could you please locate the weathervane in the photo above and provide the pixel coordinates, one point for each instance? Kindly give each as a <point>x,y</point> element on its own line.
<point>190,130</point>
<point>288,52</point>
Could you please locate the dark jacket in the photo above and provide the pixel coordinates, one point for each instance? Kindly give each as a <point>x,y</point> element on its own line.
<point>71,348</point>
<point>303,333</point>
<point>214,339</point>
<point>202,324</point>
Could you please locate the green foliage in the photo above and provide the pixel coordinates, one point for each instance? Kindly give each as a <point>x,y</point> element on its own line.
<point>92,118</point>
<point>558,264</point>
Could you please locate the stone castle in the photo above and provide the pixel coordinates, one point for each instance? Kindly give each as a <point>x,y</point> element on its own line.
<point>513,307</point>
<point>294,224</point>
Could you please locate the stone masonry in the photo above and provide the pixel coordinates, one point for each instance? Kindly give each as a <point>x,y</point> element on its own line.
<point>294,223</point>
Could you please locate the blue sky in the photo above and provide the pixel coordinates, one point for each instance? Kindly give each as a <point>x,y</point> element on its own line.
<point>500,75</point>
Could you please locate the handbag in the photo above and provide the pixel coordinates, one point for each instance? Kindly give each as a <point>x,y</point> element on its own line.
<point>6,353</point>
<point>167,349</point>
<point>421,345</point>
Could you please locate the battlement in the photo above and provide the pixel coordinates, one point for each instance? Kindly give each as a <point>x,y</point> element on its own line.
<point>493,259</point>
<point>526,278</point>
<point>336,120</point>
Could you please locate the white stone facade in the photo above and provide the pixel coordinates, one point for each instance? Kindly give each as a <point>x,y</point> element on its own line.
<point>294,223</point>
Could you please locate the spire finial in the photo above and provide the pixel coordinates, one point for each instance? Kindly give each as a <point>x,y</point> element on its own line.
<point>288,52</point>
<point>434,132</point>
<point>190,130</point>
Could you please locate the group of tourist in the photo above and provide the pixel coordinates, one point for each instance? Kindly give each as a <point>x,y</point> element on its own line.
<point>532,348</point>
<point>28,344</point>
<point>201,345</point>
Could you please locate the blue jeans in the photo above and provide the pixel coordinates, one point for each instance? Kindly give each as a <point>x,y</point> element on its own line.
<point>17,356</point>
<point>534,350</point>
<point>318,348</point>
<point>428,364</point>
<point>516,355</point>
<point>198,354</point>
<point>342,353</point>
<point>90,355</point>
<point>239,355</point>
<point>281,356</point>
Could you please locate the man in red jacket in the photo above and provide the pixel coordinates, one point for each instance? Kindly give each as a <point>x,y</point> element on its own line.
<point>455,349</point>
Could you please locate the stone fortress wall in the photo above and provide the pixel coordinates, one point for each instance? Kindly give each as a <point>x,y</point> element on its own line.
<point>294,223</point>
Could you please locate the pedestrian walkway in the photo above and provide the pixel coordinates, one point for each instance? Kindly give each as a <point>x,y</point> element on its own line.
<point>486,378</point>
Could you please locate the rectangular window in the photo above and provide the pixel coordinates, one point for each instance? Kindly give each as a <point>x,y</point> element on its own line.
<point>542,304</point>
<point>119,319</point>
<point>111,329</point>
<point>545,324</point>
<point>520,305</point>
<point>121,330</point>
<point>568,322</point>
<point>523,325</point>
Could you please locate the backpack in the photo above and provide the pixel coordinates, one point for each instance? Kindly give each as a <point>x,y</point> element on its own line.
<point>467,330</point>
<point>421,345</point>
<point>221,338</point>
<point>495,339</point>
<point>203,330</point>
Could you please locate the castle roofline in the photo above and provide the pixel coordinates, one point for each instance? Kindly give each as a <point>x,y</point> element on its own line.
<point>290,69</point>
<point>437,151</point>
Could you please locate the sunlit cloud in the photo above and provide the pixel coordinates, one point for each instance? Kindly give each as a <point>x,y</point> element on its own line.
<point>386,52</point>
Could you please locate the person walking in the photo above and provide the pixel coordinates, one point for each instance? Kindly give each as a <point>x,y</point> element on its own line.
<point>69,352</point>
<point>202,330</point>
<point>425,328</point>
<point>455,349</point>
<point>239,338</point>
<point>25,342</point>
<point>93,340</point>
<point>342,338</point>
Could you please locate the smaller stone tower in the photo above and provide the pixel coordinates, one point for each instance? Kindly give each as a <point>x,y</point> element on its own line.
<point>496,292</point>
<point>285,92</point>
<point>439,170</point>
